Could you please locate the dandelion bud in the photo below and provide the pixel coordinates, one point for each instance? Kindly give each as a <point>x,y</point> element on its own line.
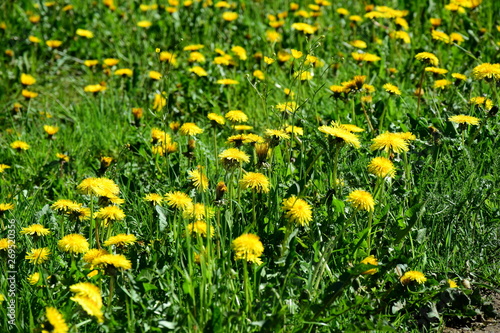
<point>220,190</point>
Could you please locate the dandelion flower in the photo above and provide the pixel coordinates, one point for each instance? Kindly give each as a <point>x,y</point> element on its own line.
<point>382,167</point>
<point>84,33</point>
<point>190,129</point>
<point>237,116</point>
<point>33,278</point>
<point>199,228</point>
<point>73,243</point>
<point>5,243</point>
<point>218,119</point>
<point>110,213</point>
<point>90,307</point>
<point>50,130</point>
<point>255,181</point>
<point>64,205</point>
<point>89,290</point>
<point>98,186</point>
<point>35,230</point>
<point>110,62</point>
<point>38,256</point>
<point>92,254</point>
<point>124,72</point>
<point>94,88</point>
<point>154,75</point>
<point>28,94</point>
<point>361,200</point>
<point>428,58</point>
<point>115,260</point>
<point>53,43</point>
<point>227,82</point>
<point>198,179</point>
<point>178,200</point>
<point>463,119</point>
<point>389,142</point>
<point>144,24</point>
<point>55,321</point>
<point>229,16</point>
<point>410,276</point>
<point>4,167</point>
<point>198,211</point>
<point>441,84</point>
<point>392,89</point>
<point>20,145</point>
<point>234,157</point>
<point>452,284</point>
<point>5,207</point>
<point>154,198</point>
<point>370,260</point>
<point>248,247</point>
<point>121,240</point>
<point>198,71</point>
<point>341,135</point>
<point>297,211</point>
<point>486,71</point>
<point>27,79</point>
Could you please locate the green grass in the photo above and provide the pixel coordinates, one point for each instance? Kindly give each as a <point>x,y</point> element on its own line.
<point>439,215</point>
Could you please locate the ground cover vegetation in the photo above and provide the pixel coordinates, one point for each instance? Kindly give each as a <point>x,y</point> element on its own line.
<point>246,166</point>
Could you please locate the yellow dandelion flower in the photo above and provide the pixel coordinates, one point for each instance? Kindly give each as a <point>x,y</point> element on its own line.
<point>464,119</point>
<point>193,47</point>
<point>28,94</point>
<point>27,79</point>
<point>98,186</point>
<point>441,84</point>
<point>4,167</point>
<point>50,130</point>
<point>427,58</point>
<point>38,256</point>
<point>198,71</point>
<point>297,211</point>
<point>382,167</point>
<point>227,82</point>
<point>255,181</point>
<point>392,89</point>
<point>6,243</point>
<point>154,75</point>
<point>289,107</point>
<point>190,129</point>
<point>218,119</point>
<point>110,213</point>
<point>90,307</point>
<point>198,211</point>
<point>110,62</point>
<point>19,145</point>
<point>91,63</point>
<point>452,284</point>
<point>73,243</point>
<point>121,240</point>
<point>390,142</point>
<point>198,179</point>
<point>55,321</point>
<point>89,290</point>
<point>94,88</point>
<point>233,157</point>
<point>229,16</point>
<point>115,260</point>
<point>154,198</point>
<point>144,24</point>
<point>486,71</point>
<point>178,200</point>
<point>84,33</point>
<point>411,276</point>
<point>295,130</point>
<point>370,260</point>
<point>361,200</point>
<point>91,254</point>
<point>341,135</point>
<point>123,72</point>
<point>64,205</point>
<point>35,230</point>
<point>359,44</point>
<point>33,278</point>
<point>236,116</point>
<point>199,228</point>
<point>5,207</point>
<point>53,43</point>
<point>248,247</point>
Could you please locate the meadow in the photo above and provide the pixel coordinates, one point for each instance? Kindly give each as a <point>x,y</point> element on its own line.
<point>248,166</point>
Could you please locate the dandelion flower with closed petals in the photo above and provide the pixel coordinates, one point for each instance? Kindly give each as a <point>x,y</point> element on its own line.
<point>190,129</point>
<point>237,116</point>
<point>38,256</point>
<point>73,243</point>
<point>390,142</point>
<point>255,181</point>
<point>233,157</point>
<point>382,167</point>
<point>178,200</point>
<point>115,260</point>
<point>121,240</point>
<point>35,230</point>
<point>50,130</point>
<point>297,210</point>
<point>55,321</point>
<point>248,247</point>
<point>463,119</point>
<point>361,200</point>
<point>411,276</point>
<point>341,135</point>
<point>370,260</point>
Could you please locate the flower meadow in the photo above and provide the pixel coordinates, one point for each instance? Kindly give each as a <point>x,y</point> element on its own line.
<point>248,166</point>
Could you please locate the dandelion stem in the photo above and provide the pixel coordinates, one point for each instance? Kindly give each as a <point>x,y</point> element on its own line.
<point>420,92</point>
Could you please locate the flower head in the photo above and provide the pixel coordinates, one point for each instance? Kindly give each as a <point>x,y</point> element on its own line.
<point>27,79</point>
<point>486,71</point>
<point>297,210</point>
<point>341,135</point>
<point>121,240</point>
<point>91,254</point>
<point>20,145</point>
<point>55,321</point>
<point>255,181</point>
<point>389,142</point>
<point>382,167</point>
<point>237,116</point>
<point>84,33</point>
<point>115,260</point>
<point>248,247</point>
<point>5,243</point>
<point>73,243</point>
<point>178,200</point>
<point>370,260</point>
<point>38,256</point>
<point>98,186</point>
<point>123,72</point>
<point>110,213</point>
<point>392,89</point>
<point>190,129</point>
<point>410,276</point>
<point>199,228</point>
<point>428,58</point>
<point>35,230</point>
<point>198,179</point>
<point>154,198</point>
<point>233,157</point>
<point>361,200</point>
<point>463,119</point>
